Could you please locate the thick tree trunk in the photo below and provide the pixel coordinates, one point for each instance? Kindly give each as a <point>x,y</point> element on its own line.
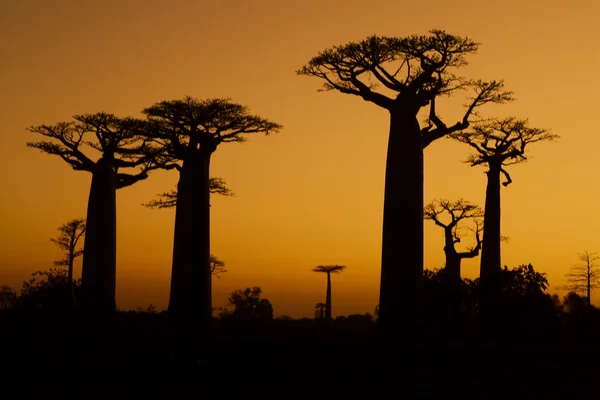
<point>402,239</point>
<point>490,266</point>
<point>190,297</point>
<point>452,289</point>
<point>98,274</point>
<point>328,299</point>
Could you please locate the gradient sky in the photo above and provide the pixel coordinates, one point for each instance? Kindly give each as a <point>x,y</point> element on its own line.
<point>312,194</point>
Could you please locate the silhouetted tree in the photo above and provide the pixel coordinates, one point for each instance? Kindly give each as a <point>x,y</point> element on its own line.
<point>48,290</point>
<point>455,212</point>
<point>320,311</point>
<point>573,303</point>
<point>413,71</point>
<point>329,269</point>
<point>249,306</point>
<point>498,143</point>
<point>190,131</point>
<point>169,199</point>
<point>69,236</point>
<point>8,298</point>
<point>121,146</point>
<point>585,277</point>
<point>217,266</point>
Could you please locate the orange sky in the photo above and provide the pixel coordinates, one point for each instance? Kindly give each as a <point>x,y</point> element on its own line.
<point>312,194</point>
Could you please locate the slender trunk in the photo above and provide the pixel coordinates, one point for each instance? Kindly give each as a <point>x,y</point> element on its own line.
<point>490,266</point>
<point>328,299</point>
<point>589,288</point>
<point>190,297</point>
<point>98,274</point>
<point>402,239</point>
<point>70,277</point>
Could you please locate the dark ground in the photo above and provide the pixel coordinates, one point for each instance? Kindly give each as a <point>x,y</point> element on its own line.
<point>288,360</point>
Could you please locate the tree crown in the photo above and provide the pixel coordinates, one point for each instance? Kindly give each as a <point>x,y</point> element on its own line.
<point>413,71</point>
<point>119,140</point>
<point>501,141</point>
<point>329,269</point>
<point>181,126</point>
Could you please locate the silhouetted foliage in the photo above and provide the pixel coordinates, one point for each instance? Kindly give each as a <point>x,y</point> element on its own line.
<point>169,199</point>
<point>329,269</point>
<point>248,306</point>
<point>8,298</point>
<point>49,290</point>
<point>497,143</point>
<point>69,236</point>
<point>585,277</point>
<point>526,307</point>
<point>188,132</point>
<point>411,71</point>
<point>122,146</point>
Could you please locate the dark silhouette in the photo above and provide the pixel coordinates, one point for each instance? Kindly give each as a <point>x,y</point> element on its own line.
<point>320,311</point>
<point>498,143</point>
<point>329,269</point>
<point>120,142</point>
<point>70,233</point>
<point>189,131</point>
<point>49,290</point>
<point>217,266</point>
<point>457,211</point>
<point>169,199</point>
<point>425,64</point>
<point>584,278</point>
<point>8,298</point>
<point>249,306</point>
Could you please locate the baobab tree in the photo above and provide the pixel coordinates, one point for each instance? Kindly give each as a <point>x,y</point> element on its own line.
<point>329,269</point>
<point>584,277</point>
<point>217,266</point>
<point>122,147</point>
<point>188,132</point>
<point>449,215</point>
<point>67,240</point>
<point>413,71</point>
<point>498,143</point>
<point>320,311</point>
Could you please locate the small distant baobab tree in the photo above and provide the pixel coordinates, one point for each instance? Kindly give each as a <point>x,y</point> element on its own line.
<point>409,73</point>
<point>320,311</point>
<point>67,240</point>
<point>121,145</point>
<point>449,215</point>
<point>189,131</point>
<point>329,269</point>
<point>217,266</point>
<point>498,143</point>
<point>584,277</point>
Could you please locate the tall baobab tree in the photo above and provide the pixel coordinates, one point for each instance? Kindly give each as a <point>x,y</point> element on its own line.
<point>67,240</point>
<point>584,277</point>
<point>122,147</point>
<point>329,269</point>
<point>498,143</point>
<point>412,72</point>
<point>449,215</point>
<point>189,131</point>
